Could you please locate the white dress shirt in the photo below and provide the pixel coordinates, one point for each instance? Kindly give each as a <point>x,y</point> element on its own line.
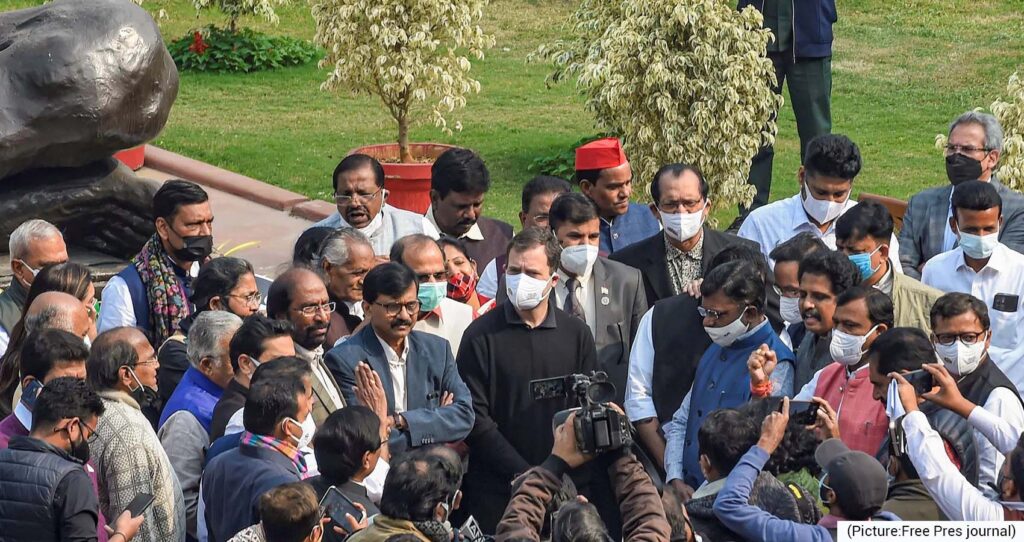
<point>585,296</point>
<point>5,339</point>
<point>639,403</point>
<point>473,234</point>
<point>355,308</point>
<point>1003,404</point>
<point>396,365</point>
<point>1003,274</point>
<point>117,308</point>
<point>779,221</point>
<point>449,323</point>
<point>954,495</point>
<point>487,286</point>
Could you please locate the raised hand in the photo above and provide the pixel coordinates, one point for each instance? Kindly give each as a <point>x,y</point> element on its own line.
<point>948,394</point>
<point>826,425</point>
<point>761,364</point>
<point>369,390</point>
<point>447,398</point>
<point>773,428</point>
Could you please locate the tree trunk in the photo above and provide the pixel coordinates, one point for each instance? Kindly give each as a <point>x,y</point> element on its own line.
<point>403,140</point>
<point>233,24</point>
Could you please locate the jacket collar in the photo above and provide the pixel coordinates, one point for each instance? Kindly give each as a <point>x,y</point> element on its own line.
<point>119,396</point>
<point>18,293</point>
<point>512,317</point>
<point>32,444</point>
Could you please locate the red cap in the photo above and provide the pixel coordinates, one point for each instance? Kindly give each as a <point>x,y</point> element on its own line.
<point>601,154</point>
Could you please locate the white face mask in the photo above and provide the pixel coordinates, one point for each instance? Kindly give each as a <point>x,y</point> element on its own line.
<point>579,260</point>
<point>979,247</point>
<point>375,222</point>
<point>824,211</point>
<point>682,226</point>
<point>847,349</point>
<point>307,435</point>
<point>962,359</point>
<point>789,308</point>
<point>525,292</point>
<point>726,335</point>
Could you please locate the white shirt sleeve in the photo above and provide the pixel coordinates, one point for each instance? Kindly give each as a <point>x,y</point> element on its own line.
<point>235,423</point>
<point>374,483</point>
<point>954,495</point>
<point>639,382</point>
<point>894,248</point>
<point>995,429</point>
<point>807,392</point>
<point>116,309</point>
<point>429,230</point>
<point>1004,405</point>
<point>675,440</point>
<point>5,339</point>
<point>487,286</point>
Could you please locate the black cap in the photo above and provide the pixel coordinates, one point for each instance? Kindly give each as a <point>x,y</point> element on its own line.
<point>859,481</point>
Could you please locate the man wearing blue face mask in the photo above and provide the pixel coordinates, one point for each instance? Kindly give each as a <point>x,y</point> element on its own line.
<point>438,315</point>
<point>863,234</point>
<point>985,268</point>
<point>732,305</point>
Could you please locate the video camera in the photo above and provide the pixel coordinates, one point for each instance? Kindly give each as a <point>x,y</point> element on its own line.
<point>598,428</point>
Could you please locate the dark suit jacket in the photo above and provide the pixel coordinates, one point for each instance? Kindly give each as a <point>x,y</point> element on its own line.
<point>619,304</point>
<point>496,233</point>
<point>649,257</point>
<point>925,222</point>
<point>430,371</point>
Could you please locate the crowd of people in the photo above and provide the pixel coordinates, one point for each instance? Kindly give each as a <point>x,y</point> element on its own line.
<point>413,377</point>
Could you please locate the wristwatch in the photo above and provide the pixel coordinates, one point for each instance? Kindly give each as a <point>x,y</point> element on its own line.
<point>398,421</point>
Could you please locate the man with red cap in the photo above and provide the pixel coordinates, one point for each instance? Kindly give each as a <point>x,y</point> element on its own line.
<point>605,177</point>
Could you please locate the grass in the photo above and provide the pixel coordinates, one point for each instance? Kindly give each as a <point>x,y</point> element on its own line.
<point>901,72</point>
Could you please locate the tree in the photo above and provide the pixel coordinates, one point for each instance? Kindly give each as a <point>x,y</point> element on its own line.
<point>1011,116</point>
<point>678,80</point>
<point>235,9</point>
<point>406,52</point>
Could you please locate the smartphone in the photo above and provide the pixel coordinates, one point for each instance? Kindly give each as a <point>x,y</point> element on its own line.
<point>803,412</point>
<point>139,504</point>
<point>470,531</point>
<point>335,504</point>
<point>922,380</point>
<point>31,393</point>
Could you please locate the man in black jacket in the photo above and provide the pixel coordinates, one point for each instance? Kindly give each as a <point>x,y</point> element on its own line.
<point>45,493</point>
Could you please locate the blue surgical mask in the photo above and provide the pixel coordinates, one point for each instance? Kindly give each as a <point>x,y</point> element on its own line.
<point>979,247</point>
<point>863,263</point>
<point>430,295</point>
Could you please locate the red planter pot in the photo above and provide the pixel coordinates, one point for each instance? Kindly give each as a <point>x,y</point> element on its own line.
<point>133,157</point>
<point>408,184</point>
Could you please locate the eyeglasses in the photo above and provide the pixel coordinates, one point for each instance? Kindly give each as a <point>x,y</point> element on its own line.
<point>311,310</point>
<point>349,198</point>
<point>675,206</point>
<point>946,339</point>
<point>711,313</point>
<point>392,309</point>
<point>253,300</point>
<point>964,149</point>
<point>786,292</point>
<point>440,276</point>
<point>92,431</point>
<point>151,361</point>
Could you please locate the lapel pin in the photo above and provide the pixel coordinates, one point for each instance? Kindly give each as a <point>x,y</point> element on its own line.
<point>604,290</point>
<point>605,301</point>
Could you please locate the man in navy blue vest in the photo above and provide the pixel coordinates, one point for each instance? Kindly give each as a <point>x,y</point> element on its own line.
<point>45,493</point>
<point>152,292</point>
<point>802,53</point>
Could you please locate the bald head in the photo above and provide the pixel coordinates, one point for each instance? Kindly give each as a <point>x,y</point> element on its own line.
<point>58,310</point>
<point>286,286</point>
<point>300,297</point>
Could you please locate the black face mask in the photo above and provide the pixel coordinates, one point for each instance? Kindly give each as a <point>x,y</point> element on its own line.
<point>197,248</point>
<point>80,449</point>
<point>961,168</point>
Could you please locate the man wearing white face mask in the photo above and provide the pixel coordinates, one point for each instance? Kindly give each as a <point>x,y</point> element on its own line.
<point>607,295</point>
<point>826,177</point>
<point>962,337</point>
<point>787,258</point>
<point>862,315</point>
<point>523,339</point>
<point>732,305</point>
<point>679,254</point>
<point>988,270</point>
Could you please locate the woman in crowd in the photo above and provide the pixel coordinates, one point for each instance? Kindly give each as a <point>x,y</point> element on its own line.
<point>462,275</point>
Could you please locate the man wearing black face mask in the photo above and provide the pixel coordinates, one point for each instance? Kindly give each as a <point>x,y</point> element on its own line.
<point>153,292</point>
<point>972,153</point>
<point>45,493</point>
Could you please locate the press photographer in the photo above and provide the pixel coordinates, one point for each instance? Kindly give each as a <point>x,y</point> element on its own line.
<point>643,516</point>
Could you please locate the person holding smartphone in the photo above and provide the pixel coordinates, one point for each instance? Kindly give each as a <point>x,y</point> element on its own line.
<point>45,493</point>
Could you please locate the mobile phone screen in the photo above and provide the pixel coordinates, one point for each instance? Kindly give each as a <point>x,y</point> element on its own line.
<point>335,504</point>
<point>139,504</point>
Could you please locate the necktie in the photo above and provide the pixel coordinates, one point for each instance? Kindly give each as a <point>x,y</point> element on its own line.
<point>572,302</point>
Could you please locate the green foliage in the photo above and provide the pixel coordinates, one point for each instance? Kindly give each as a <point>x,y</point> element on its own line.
<point>405,52</point>
<point>562,163</point>
<point>214,49</point>
<point>678,80</point>
<point>235,9</point>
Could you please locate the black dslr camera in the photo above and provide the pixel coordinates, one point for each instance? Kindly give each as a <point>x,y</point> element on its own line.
<point>598,427</point>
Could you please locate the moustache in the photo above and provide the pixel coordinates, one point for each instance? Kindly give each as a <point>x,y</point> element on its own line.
<point>316,327</point>
<point>811,313</point>
<point>399,322</point>
<point>357,208</point>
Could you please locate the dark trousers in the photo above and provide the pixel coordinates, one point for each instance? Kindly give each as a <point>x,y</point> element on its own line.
<point>810,91</point>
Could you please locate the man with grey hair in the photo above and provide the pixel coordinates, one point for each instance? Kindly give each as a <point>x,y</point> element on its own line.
<point>346,255</point>
<point>973,149</point>
<point>33,245</point>
<point>185,423</point>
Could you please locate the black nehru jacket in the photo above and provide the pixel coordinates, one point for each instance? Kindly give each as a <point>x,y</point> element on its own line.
<point>231,401</point>
<point>498,358</point>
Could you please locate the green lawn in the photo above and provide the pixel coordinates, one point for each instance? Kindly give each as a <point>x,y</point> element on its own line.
<point>902,70</point>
